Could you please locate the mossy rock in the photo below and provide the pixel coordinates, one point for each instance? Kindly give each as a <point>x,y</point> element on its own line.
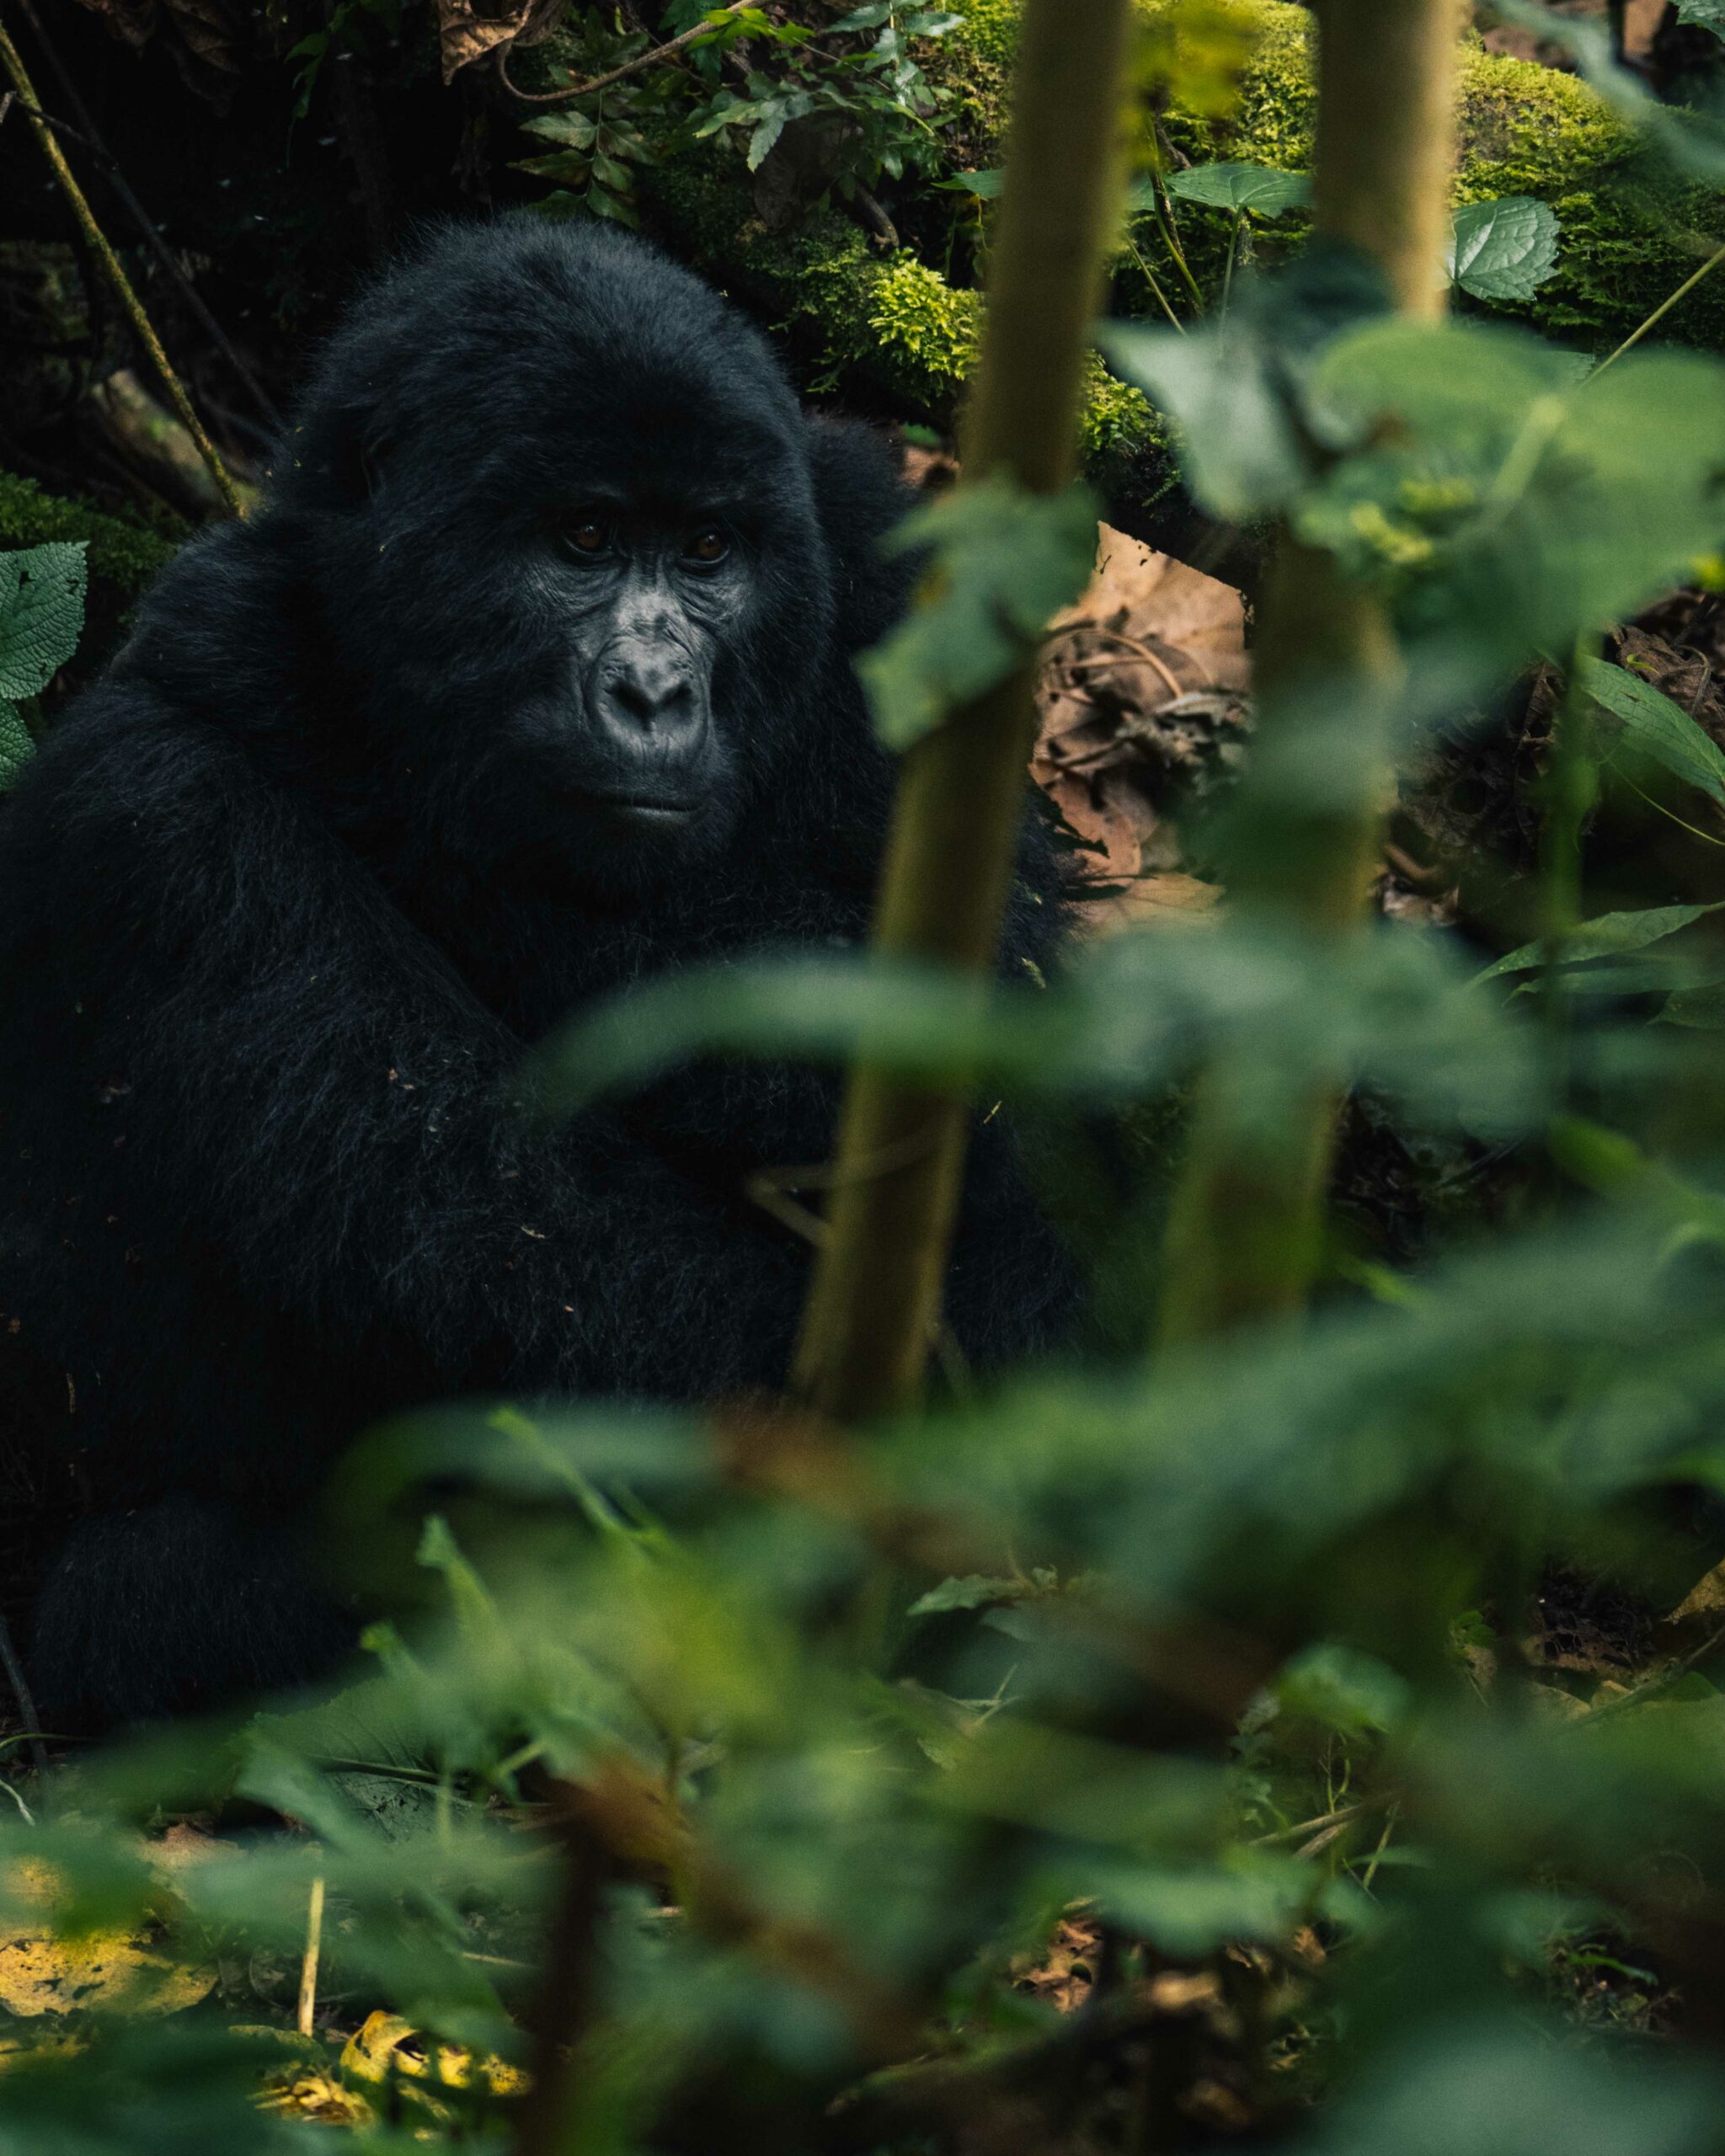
<point>123,557</point>
<point>1632,230</point>
<point>856,314</point>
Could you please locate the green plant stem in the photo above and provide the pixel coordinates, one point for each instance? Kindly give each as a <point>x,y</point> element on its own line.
<point>1157,293</point>
<point>14,67</point>
<point>874,1301</point>
<point>1664,308</point>
<point>1170,231</point>
<point>1233,251</point>
<point>1246,1225</point>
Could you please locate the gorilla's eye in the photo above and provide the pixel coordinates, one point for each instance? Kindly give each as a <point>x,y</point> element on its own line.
<point>707,546</point>
<point>588,536</point>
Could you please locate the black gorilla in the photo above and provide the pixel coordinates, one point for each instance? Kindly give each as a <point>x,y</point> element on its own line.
<point>533,676</point>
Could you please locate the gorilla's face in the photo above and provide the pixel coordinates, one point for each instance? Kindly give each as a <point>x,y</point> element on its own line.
<point>568,550</point>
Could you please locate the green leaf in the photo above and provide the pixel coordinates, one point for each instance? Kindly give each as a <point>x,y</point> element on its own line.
<point>987,184</point>
<point>564,127</point>
<point>1703,15</point>
<point>932,22</point>
<point>869,18</point>
<point>1513,503</point>
<point>1003,563</point>
<point>42,614</point>
<point>1659,728</point>
<point>1235,387</point>
<point>1607,936</point>
<point>1505,249</point>
<point>16,746</point>
<point>973,1591</point>
<point>1263,187</point>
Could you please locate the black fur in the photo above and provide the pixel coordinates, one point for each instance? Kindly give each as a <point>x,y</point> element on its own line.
<point>274,930</point>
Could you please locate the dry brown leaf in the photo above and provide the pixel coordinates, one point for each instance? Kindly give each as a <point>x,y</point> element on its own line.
<point>1145,682</point>
<point>467,29</point>
<point>1065,1979</point>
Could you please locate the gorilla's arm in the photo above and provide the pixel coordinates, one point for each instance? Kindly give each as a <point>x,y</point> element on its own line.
<point>304,1077</point>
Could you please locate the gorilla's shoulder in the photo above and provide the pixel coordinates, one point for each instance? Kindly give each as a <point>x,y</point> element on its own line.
<point>862,495</point>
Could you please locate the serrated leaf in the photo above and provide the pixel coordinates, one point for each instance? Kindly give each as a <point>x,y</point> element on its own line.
<point>42,614</point>
<point>1004,563</point>
<point>1703,15</point>
<point>1660,729</point>
<point>869,18</point>
<point>564,127</point>
<point>16,746</point>
<point>973,1592</point>
<point>1606,937</point>
<point>1265,189</point>
<point>1236,386</point>
<point>1504,250</point>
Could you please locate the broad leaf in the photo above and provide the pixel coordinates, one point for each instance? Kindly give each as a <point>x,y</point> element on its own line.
<point>1237,187</point>
<point>1505,249</point>
<point>1703,15</point>
<point>1607,937</point>
<point>1004,561</point>
<point>41,614</point>
<point>1236,386</point>
<point>1659,728</point>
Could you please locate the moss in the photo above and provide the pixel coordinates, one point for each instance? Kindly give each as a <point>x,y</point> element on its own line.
<point>123,557</point>
<point>857,316</point>
<point>1631,232</point>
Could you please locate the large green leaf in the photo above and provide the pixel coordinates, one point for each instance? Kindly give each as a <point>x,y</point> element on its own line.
<point>1608,936</point>
<point>1505,249</point>
<point>1004,561</point>
<point>42,614</point>
<point>1235,387</point>
<point>1236,187</point>
<point>1703,15</point>
<point>1659,728</point>
<point>1511,502</point>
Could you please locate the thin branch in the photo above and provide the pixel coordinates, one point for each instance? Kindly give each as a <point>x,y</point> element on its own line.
<point>874,1302</point>
<point>1660,312</point>
<point>88,135</point>
<point>647,59</point>
<point>14,67</point>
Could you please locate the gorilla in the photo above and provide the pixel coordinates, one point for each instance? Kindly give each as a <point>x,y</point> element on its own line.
<point>530,678</point>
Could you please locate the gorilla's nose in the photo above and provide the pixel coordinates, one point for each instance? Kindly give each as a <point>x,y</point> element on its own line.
<point>649,704</point>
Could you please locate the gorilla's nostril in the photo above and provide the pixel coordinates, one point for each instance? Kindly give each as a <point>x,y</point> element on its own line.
<point>661,698</point>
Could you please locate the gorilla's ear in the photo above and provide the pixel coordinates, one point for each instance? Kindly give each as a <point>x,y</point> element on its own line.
<point>861,496</point>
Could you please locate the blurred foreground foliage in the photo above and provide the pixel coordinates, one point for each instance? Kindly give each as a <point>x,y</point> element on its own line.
<point>1282,1739</point>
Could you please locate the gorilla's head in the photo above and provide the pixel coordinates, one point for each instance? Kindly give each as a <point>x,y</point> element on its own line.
<point>558,499</point>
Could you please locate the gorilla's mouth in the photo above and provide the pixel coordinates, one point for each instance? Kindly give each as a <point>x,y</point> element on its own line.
<point>646,811</point>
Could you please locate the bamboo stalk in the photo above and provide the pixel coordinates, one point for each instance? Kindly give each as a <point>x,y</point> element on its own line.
<point>1246,1228</point>
<point>875,1298</point>
<point>112,266</point>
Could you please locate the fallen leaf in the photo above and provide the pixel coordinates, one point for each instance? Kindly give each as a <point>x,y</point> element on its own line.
<point>467,29</point>
<point>1143,695</point>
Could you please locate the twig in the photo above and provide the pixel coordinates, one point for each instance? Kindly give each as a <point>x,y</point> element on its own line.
<point>87,133</point>
<point>21,1693</point>
<point>13,64</point>
<point>1660,313</point>
<point>647,59</point>
<point>308,1966</point>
